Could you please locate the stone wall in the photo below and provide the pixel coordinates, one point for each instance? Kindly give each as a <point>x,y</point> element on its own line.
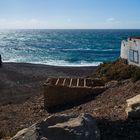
<point>58,94</point>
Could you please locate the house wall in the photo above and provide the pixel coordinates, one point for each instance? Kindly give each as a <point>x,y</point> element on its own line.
<point>124,49</point>
<point>129,47</point>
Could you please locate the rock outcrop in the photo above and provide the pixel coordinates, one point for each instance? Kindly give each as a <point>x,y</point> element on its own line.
<point>133,107</point>
<point>62,127</point>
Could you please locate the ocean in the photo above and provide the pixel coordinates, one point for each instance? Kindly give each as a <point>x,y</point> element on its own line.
<point>62,47</point>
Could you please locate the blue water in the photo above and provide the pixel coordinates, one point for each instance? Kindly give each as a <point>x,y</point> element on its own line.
<point>62,47</point>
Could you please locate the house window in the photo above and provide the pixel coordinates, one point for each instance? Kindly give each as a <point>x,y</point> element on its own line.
<point>134,56</point>
<point>131,56</point>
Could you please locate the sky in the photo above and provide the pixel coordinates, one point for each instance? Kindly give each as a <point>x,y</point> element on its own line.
<point>69,14</point>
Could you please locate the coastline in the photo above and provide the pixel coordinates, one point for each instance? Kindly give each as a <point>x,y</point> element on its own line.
<point>34,68</point>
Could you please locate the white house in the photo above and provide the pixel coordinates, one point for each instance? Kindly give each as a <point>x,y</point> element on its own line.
<point>130,50</point>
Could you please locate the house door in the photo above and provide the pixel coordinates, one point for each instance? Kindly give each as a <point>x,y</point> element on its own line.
<point>134,56</point>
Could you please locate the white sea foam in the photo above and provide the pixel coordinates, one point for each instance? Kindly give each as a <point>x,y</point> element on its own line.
<point>60,63</point>
<point>65,63</point>
<point>78,49</point>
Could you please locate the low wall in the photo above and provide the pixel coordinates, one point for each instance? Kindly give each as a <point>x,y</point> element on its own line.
<point>58,95</point>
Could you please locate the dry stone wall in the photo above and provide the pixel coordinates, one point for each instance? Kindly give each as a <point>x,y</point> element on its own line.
<point>65,90</point>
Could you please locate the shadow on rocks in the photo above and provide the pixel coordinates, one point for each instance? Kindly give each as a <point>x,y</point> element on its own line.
<point>66,106</point>
<point>119,130</point>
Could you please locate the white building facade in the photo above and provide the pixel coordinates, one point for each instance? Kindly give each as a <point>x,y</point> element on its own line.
<point>130,50</point>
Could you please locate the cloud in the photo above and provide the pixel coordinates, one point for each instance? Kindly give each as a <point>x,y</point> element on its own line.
<point>110,20</point>
<point>66,23</point>
<point>22,23</point>
<point>35,23</point>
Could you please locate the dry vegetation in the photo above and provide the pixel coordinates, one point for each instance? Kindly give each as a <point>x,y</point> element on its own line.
<point>117,70</point>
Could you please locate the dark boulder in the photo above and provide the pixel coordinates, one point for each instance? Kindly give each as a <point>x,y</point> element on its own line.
<point>62,127</point>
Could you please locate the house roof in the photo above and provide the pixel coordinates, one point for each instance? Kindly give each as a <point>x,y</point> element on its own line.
<point>134,37</point>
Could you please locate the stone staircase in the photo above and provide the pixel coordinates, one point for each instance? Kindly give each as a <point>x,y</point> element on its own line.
<point>59,91</point>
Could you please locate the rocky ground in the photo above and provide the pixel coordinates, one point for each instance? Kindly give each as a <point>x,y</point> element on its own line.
<point>20,81</point>
<point>107,108</point>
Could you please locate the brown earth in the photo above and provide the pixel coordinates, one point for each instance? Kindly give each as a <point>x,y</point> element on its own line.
<point>108,108</point>
<point>20,81</point>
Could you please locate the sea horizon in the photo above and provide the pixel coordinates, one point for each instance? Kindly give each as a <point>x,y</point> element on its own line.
<point>70,29</point>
